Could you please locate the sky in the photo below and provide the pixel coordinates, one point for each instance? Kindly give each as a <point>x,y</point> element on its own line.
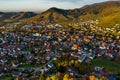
<point>42,5</point>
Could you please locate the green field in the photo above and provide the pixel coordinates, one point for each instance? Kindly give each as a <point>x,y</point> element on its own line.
<point>6,77</point>
<point>30,66</point>
<point>111,66</point>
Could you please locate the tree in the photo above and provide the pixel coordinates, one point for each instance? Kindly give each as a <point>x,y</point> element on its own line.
<point>54,77</point>
<point>103,78</point>
<point>48,78</point>
<point>66,77</point>
<point>42,77</point>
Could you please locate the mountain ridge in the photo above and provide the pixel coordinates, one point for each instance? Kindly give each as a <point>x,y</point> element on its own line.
<point>106,12</point>
<point>14,16</point>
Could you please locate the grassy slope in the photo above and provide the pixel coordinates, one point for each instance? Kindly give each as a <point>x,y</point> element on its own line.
<point>107,17</point>
<point>45,16</point>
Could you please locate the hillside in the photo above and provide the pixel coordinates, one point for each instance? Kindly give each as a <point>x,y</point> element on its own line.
<point>52,15</point>
<point>14,16</point>
<point>106,12</point>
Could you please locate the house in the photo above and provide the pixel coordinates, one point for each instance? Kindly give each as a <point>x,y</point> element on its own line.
<point>2,74</point>
<point>4,60</point>
<point>43,61</point>
<point>75,47</point>
<point>82,58</point>
<point>50,65</point>
<point>92,56</point>
<point>15,63</point>
<point>75,55</point>
<point>48,57</point>
<point>97,69</point>
<point>55,57</point>
<point>16,74</point>
<point>48,48</point>
<point>42,70</point>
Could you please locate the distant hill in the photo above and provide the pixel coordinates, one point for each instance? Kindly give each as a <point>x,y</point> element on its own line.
<point>14,16</point>
<point>52,15</point>
<point>107,12</point>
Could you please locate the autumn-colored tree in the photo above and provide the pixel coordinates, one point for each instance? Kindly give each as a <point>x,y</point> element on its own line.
<point>48,78</point>
<point>66,77</point>
<point>42,77</point>
<point>103,78</point>
<point>60,77</point>
<point>54,77</point>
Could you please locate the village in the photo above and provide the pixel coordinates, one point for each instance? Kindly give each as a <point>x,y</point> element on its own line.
<point>39,48</point>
